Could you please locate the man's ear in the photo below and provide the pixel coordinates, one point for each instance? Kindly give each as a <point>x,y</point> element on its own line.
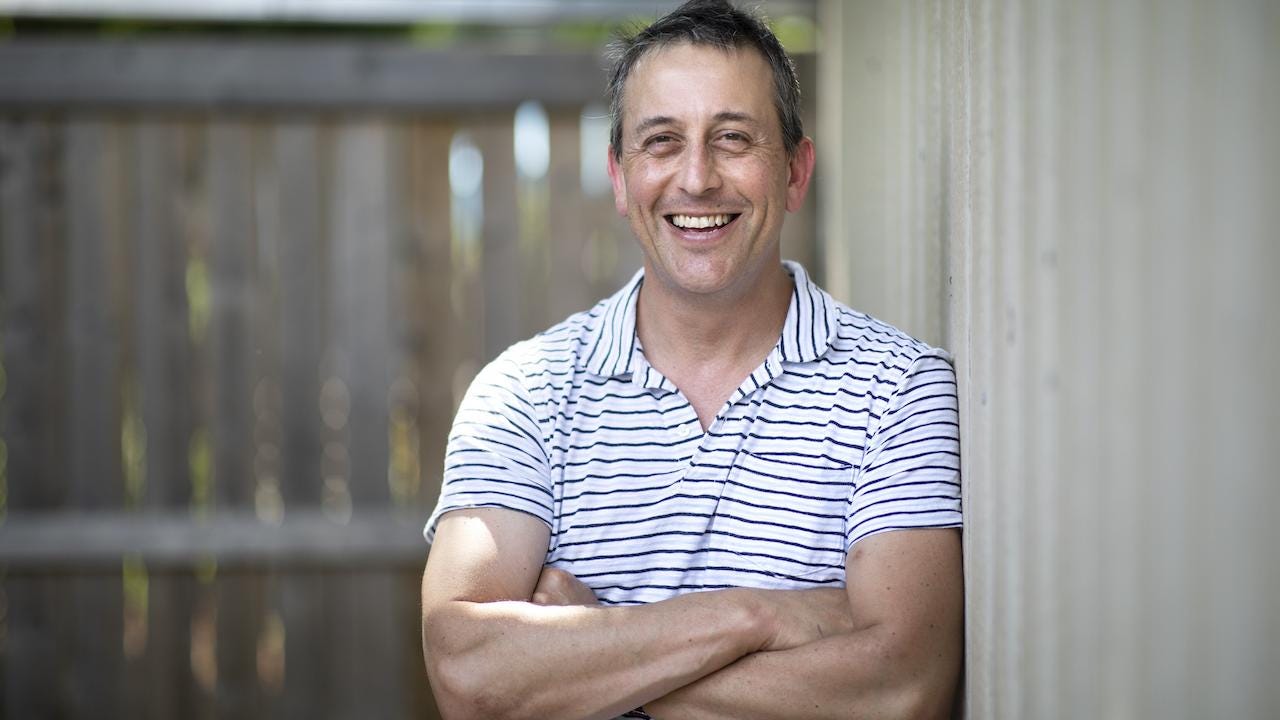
<point>619,184</point>
<point>800,171</point>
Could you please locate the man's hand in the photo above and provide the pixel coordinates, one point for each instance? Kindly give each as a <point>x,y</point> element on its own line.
<point>800,617</point>
<point>797,617</point>
<point>491,652</point>
<point>557,587</point>
<point>902,658</point>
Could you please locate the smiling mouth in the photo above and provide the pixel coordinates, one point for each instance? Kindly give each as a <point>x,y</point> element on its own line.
<point>702,223</point>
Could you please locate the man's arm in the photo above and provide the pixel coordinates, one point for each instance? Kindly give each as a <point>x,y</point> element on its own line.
<point>902,660</point>
<point>491,653</point>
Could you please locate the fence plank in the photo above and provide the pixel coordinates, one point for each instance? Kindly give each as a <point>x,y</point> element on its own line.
<point>434,325</point>
<point>32,417</point>
<point>362,224</point>
<point>362,227</point>
<point>301,242</point>
<point>96,482</point>
<point>501,272</point>
<point>440,342</point>
<point>33,280</point>
<point>239,595</point>
<point>569,225</point>
<point>165,383</point>
<point>301,157</point>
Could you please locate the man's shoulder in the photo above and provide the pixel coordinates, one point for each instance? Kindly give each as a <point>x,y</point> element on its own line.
<point>861,338</point>
<point>560,348</point>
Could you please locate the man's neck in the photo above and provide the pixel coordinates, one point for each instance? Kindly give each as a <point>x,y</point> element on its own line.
<point>682,334</point>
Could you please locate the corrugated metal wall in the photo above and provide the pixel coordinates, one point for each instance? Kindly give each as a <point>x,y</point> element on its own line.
<point>1082,200</point>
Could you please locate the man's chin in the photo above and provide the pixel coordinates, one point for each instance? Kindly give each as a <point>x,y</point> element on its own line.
<point>702,282</point>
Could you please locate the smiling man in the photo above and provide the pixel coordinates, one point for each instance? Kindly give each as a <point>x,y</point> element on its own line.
<point>719,493</point>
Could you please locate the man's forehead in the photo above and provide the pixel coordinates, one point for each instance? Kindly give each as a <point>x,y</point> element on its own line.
<point>687,72</point>
<point>678,52</point>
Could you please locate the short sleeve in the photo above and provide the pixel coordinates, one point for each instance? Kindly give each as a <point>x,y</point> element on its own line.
<point>495,456</point>
<point>910,475</point>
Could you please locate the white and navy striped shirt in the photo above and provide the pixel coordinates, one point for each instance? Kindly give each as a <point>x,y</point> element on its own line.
<point>849,428</point>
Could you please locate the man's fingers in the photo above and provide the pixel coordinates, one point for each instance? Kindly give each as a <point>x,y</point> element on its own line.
<point>558,587</point>
<point>803,616</point>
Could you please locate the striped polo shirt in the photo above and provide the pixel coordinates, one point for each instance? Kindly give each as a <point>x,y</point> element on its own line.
<point>849,428</point>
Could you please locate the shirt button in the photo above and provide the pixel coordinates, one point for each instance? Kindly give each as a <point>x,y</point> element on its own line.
<point>684,430</point>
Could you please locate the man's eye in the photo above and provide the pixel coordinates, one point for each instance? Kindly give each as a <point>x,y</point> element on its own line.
<point>735,138</point>
<point>662,144</point>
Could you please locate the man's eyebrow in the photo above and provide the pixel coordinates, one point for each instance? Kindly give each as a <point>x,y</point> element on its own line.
<point>722,116</point>
<point>734,116</point>
<point>654,121</point>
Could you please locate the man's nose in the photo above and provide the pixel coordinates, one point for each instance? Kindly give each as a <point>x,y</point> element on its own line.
<point>699,174</point>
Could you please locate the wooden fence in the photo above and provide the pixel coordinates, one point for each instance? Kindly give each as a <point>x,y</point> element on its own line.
<point>239,304</point>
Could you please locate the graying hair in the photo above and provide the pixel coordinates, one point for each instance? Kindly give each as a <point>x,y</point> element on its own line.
<point>713,23</point>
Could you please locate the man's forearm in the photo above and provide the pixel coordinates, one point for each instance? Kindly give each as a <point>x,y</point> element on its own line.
<point>515,659</point>
<point>856,675</point>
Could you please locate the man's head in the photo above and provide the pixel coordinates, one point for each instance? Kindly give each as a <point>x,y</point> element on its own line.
<point>712,23</point>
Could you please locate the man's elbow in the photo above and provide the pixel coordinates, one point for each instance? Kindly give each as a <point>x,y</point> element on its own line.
<point>919,684</point>
<point>458,679</point>
<point>924,701</point>
<point>928,694</point>
<point>463,691</point>
<point>460,694</point>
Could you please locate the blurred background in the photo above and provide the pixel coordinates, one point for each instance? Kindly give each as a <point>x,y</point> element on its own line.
<point>253,254</point>
<point>253,251</point>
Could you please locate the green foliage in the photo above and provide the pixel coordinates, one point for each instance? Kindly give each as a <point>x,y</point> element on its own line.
<point>200,465</point>
<point>199,299</point>
<point>796,33</point>
<point>133,442</point>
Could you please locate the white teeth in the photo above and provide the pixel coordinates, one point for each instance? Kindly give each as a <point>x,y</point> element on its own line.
<point>699,221</point>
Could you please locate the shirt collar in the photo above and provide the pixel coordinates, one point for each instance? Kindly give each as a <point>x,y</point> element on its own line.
<point>612,337</point>
<point>811,320</point>
<point>615,349</point>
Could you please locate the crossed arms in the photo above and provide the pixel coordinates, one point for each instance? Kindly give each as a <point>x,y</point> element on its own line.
<point>504,639</point>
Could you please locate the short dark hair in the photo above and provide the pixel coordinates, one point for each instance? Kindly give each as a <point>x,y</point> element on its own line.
<point>718,24</point>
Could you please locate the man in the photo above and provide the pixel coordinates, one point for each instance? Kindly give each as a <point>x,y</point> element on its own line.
<point>719,493</point>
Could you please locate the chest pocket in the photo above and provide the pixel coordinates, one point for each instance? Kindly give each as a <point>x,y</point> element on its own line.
<point>596,515</point>
<point>783,517</point>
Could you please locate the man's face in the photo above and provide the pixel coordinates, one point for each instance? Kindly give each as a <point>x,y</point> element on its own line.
<point>704,177</point>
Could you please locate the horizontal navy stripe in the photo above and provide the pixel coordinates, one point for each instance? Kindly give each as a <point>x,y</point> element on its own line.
<point>896,459</point>
<point>887,528</point>
<point>632,506</point>
<point>741,569</point>
<point>487,451</point>
<point>607,461</point>
<point>496,498</point>
<point>698,551</point>
<point>790,510</point>
<point>907,471</point>
<point>622,444</point>
<point>900,513</point>
<point>900,485</point>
